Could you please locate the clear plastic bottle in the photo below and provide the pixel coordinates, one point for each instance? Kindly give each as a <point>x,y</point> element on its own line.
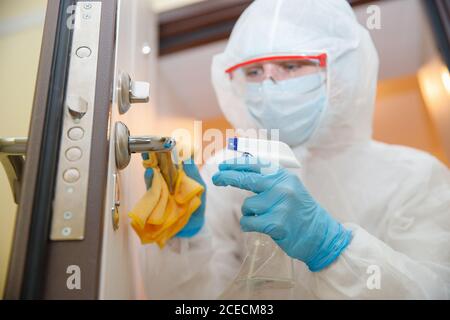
<point>266,273</point>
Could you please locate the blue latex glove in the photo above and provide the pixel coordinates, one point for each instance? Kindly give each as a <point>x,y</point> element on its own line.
<point>283,209</point>
<point>197,219</point>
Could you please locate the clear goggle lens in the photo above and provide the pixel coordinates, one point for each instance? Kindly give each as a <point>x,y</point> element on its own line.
<point>277,69</point>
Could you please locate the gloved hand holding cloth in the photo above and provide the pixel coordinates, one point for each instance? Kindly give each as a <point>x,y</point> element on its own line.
<point>283,209</point>
<point>160,215</point>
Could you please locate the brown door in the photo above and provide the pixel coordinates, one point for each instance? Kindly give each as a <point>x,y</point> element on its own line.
<point>60,186</point>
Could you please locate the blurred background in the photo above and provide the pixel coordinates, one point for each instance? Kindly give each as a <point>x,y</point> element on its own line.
<point>413,100</point>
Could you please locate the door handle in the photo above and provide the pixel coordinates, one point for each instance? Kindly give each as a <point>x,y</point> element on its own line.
<point>12,157</point>
<point>125,145</point>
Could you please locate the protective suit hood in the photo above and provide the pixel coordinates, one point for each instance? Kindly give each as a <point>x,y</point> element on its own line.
<point>298,26</point>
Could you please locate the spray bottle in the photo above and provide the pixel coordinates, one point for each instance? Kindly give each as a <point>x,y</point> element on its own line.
<point>267,272</point>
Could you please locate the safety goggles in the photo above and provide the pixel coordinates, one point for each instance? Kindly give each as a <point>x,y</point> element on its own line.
<point>277,69</point>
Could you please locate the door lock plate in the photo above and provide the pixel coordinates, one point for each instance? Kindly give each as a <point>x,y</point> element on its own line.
<point>70,200</point>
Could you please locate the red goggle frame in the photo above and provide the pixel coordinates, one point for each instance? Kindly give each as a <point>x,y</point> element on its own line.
<point>321,58</point>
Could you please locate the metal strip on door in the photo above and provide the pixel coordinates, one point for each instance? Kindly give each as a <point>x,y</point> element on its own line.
<point>69,206</point>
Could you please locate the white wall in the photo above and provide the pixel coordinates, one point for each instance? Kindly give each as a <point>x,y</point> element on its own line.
<point>21,24</point>
<point>405,41</point>
<point>163,5</point>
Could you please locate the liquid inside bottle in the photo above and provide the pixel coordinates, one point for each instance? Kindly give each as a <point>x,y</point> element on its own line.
<point>266,273</point>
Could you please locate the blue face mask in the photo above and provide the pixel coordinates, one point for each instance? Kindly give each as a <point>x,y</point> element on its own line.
<point>293,106</point>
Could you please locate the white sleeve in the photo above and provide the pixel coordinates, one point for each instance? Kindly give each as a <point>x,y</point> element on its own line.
<point>411,260</point>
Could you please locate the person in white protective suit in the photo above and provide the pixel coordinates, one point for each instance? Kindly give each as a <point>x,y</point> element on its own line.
<point>370,207</point>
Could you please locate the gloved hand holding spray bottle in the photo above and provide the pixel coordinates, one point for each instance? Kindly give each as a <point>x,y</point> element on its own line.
<point>267,272</point>
<point>283,210</point>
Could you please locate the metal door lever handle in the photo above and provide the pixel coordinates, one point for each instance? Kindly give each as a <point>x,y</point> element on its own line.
<point>12,157</point>
<point>125,145</point>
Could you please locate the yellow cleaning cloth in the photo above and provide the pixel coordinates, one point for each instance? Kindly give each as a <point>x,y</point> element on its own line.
<point>159,215</point>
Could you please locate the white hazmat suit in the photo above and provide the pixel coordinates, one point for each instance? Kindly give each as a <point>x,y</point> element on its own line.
<point>396,200</point>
